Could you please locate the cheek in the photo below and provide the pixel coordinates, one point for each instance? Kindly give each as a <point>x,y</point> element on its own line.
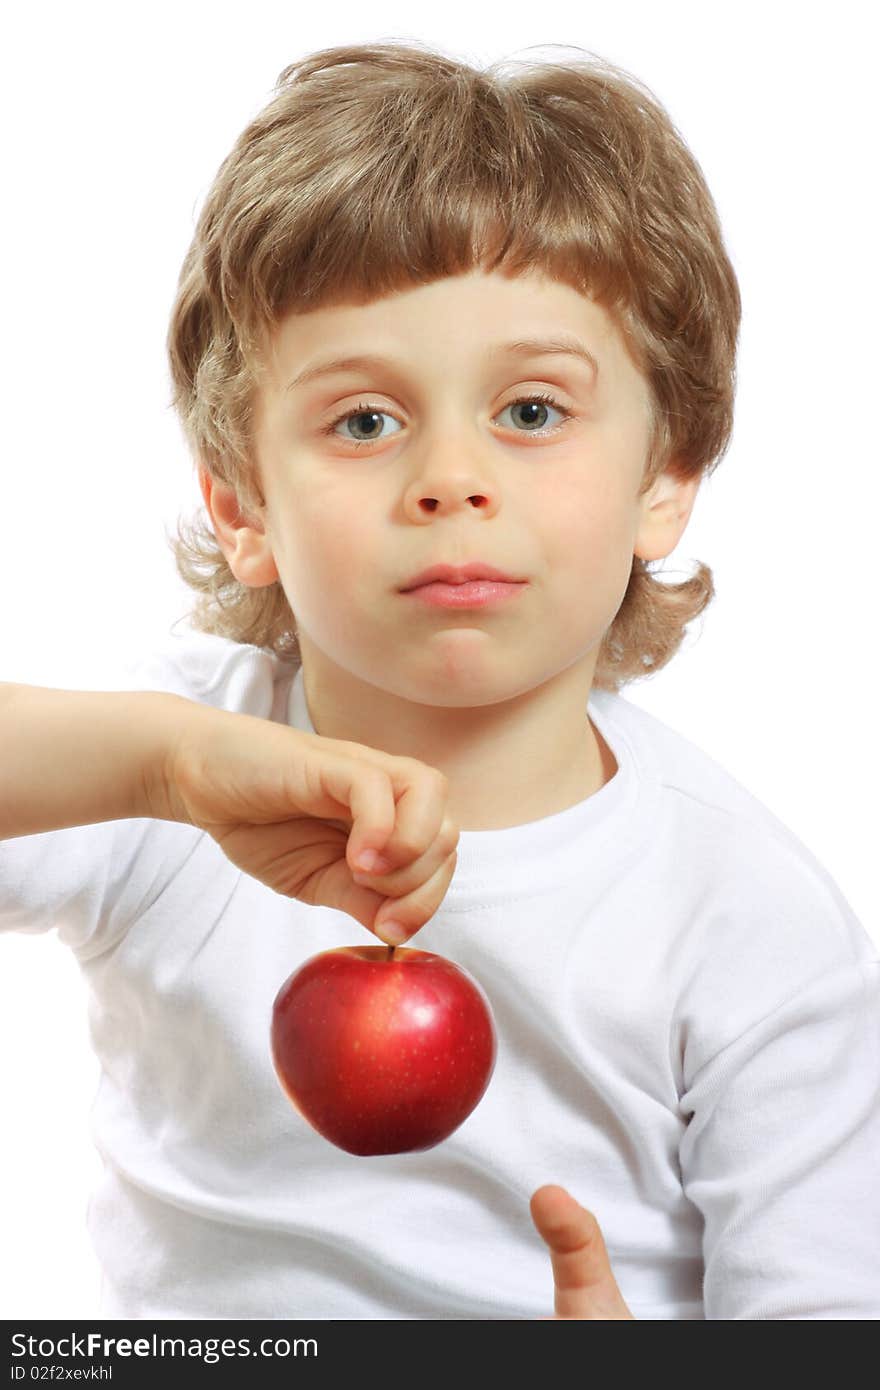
<point>588,531</point>
<point>320,539</point>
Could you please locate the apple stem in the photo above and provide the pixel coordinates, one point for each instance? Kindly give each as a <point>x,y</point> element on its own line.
<point>390,955</point>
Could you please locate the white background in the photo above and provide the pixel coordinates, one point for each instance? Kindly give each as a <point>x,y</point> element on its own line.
<point>115,120</point>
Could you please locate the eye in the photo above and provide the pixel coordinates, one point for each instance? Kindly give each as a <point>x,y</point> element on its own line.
<point>367,418</point>
<point>535,417</point>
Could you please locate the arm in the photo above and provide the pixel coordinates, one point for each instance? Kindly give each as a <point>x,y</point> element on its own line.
<point>780,1155</point>
<point>79,757</point>
<point>292,809</point>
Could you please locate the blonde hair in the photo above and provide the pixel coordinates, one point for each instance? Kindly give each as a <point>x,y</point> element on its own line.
<point>379,167</point>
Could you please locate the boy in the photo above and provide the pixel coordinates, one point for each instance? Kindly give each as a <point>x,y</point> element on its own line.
<point>433,319</point>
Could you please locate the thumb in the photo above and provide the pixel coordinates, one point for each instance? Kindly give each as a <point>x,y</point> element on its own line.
<point>584,1283</point>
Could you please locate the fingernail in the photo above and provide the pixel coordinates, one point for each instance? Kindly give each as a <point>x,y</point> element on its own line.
<point>371,861</point>
<point>392,933</point>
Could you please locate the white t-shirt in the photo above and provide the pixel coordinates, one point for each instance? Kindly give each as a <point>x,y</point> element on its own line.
<point>688,1018</point>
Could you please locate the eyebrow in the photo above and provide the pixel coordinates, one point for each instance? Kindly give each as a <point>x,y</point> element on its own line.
<point>522,347</point>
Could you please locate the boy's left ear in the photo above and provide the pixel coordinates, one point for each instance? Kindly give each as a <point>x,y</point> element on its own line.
<point>665,511</point>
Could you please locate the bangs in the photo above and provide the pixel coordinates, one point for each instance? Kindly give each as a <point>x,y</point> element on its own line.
<point>461,176</point>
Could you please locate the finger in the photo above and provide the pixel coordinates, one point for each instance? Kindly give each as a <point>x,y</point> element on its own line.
<point>413,910</point>
<point>423,835</point>
<point>585,1286</point>
<point>422,797</point>
<point>397,805</point>
<point>396,882</point>
<point>366,792</point>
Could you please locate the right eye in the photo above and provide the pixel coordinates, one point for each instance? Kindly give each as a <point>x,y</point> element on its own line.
<point>366,416</point>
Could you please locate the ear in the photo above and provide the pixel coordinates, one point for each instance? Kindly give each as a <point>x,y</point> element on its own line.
<point>665,511</point>
<point>242,539</point>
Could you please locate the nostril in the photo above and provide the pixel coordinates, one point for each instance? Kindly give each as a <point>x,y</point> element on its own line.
<point>431,504</point>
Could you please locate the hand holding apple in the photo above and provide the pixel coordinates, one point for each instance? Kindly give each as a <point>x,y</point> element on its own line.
<point>300,812</point>
<point>381,1049</point>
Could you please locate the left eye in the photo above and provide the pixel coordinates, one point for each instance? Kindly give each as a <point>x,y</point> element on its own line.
<point>535,416</point>
<point>536,412</point>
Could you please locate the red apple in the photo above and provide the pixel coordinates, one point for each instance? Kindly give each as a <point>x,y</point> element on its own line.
<point>382,1049</point>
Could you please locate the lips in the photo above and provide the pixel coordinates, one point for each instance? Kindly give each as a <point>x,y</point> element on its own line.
<point>458,574</point>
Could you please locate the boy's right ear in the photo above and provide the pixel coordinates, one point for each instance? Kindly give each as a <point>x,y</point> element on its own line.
<point>242,539</point>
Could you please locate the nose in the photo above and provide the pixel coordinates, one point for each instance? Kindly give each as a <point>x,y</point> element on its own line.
<point>446,486</point>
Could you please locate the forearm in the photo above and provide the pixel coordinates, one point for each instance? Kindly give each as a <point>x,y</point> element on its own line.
<point>70,757</point>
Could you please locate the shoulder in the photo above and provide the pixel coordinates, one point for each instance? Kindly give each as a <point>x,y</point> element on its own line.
<point>678,764</point>
<point>754,886</point>
<point>214,671</point>
<point>757,934</point>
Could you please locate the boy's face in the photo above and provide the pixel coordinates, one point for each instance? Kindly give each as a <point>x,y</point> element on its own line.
<point>452,472</point>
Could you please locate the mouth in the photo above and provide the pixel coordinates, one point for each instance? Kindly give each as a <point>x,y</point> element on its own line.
<point>473,593</point>
<point>459,575</point>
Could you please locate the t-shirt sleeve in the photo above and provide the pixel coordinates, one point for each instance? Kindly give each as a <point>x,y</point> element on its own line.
<point>90,882</point>
<point>782,1098</point>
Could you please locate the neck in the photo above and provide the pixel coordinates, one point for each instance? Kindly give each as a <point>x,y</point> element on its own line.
<point>509,762</point>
